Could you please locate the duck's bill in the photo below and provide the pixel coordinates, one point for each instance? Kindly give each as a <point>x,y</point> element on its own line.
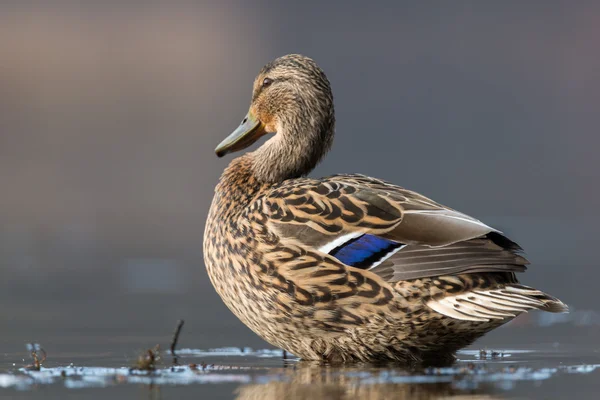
<point>249,131</point>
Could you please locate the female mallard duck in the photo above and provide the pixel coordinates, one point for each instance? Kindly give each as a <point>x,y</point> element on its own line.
<point>348,267</point>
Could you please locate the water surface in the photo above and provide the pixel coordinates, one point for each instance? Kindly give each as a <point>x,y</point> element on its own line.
<point>542,371</point>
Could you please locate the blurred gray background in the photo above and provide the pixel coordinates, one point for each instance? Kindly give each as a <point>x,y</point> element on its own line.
<point>109,115</point>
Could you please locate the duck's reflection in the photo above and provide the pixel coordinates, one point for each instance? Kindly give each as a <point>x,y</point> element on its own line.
<point>313,382</point>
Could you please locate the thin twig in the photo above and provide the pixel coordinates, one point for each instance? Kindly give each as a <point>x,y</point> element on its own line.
<point>43,354</point>
<point>175,339</point>
<point>34,348</point>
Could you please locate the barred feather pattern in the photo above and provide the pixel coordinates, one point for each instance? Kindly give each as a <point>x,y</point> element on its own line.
<point>262,254</point>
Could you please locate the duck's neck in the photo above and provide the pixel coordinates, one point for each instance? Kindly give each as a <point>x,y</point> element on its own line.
<point>238,183</point>
<point>300,143</point>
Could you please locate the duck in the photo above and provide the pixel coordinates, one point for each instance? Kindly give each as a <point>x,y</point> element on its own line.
<point>348,268</point>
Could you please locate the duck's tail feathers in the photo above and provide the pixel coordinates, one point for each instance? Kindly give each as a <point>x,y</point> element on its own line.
<point>497,304</point>
<point>549,303</point>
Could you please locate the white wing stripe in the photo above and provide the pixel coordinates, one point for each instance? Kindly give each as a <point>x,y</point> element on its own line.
<point>338,241</point>
<point>388,255</point>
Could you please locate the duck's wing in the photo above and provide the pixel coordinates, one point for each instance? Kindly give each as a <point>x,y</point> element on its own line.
<point>396,233</point>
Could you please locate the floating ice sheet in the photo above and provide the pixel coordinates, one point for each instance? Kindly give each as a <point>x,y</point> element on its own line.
<point>470,372</point>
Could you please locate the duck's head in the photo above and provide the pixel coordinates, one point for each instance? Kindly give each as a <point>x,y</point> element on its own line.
<point>292,100</point>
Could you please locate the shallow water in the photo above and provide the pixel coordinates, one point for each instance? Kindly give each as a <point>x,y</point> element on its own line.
<point>545,371</point>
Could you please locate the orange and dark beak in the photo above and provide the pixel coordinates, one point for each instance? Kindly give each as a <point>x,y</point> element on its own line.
<point>249,131</point>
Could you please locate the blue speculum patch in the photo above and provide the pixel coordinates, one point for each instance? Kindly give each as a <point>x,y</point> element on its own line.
<point>364,251</point>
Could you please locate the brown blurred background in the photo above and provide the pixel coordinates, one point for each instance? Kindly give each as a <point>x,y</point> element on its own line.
<point>109,115</point>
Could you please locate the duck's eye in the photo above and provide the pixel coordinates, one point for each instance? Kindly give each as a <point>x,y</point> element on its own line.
<point>267,82</point>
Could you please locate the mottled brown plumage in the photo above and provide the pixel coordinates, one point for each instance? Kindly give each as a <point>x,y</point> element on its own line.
<point>348,267</point>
